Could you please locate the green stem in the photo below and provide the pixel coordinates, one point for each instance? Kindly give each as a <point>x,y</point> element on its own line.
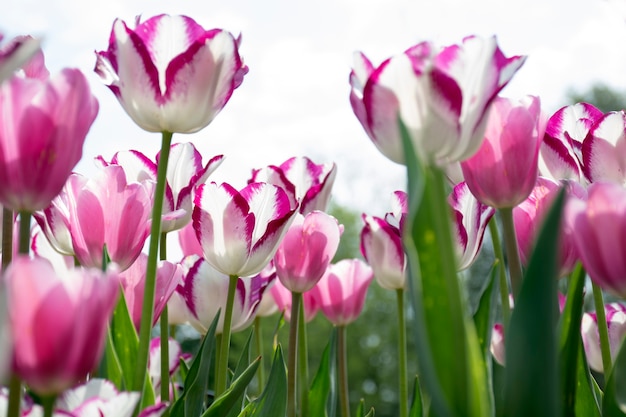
<point>258,340</point>
<point>7,237</point>
<point>402,361</point>
<point>222,376</point>
<point>603,329</point>
<point>292,360</point>
<point>48,405</point>
<point>15,385</point>
<point>512,252</point>
<point>165,346</point>
<point>153,251</point>
<point>303,363</point>
<point>342,352</point>
<point>504,285</point>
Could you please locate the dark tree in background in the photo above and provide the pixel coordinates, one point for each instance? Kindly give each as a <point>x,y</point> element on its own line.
<point>602,96</point>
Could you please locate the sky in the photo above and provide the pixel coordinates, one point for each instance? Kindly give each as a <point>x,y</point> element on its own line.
<point>294,100</point>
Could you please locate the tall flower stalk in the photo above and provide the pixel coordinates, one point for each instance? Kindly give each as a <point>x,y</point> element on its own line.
<point>153,254</point>
<point>222,361</point>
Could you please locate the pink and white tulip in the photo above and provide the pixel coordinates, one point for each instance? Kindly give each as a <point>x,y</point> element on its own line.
<point>442,97</point>
<point>154,361</point>
<point>185,172</point>
<point>240,231</point>
<point>308,183</point>
<point>43,125</point>
<point>282,298</point>
<point>381,245</point>
<point>133,281</point>
<point>504,170</point>
<point>102,211</point>
<point>342,290</point>
<point>561,150</point>
<point>205,292</point>
<point>616,322</point>
<point>470,220</point>
<point>599,225</point>
<point>58,322</point>
<point>604,149</point>
<point>306,250</point>
<point>169,73</point>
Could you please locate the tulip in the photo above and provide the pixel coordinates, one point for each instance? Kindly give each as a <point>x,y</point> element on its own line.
<point>43,125</point>
<point>504,170</point>
<point>188,241</point>
<point>306,250</point>
<point>58,322</point>
<point>603,150</point>
<point>381,245</point>
<point>442,97</point>
<point>528,218</point>
<point>175,353</point>
<point>471,218</point>
<point>267,305</point>
<point>99,397</point>
<point>341,291</point>
<point>170,74</point>
<point>616,323</point>
<point>240,231</point>
<point>133,281</point>
<point>205,290</point>
<point>561,150</point>
<point>16,54</point>
<point>307,183</point>
<point>497,343</point>
<point>104,211</point>
<point>599,224</point>
<point>184,173</point>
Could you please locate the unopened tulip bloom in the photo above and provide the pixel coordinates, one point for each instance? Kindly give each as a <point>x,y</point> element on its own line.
<point>381,245</point>
<point>616,322</point>
<point>169,73</point>
<point>154,363</point>
<point>43,124</point>
<point>470,220</point>
<point>528,219</point>
<point>599,225</point>
<point>308,183</point>
<point>133,281</point>
<point>185,172</point>
<point>504,170</point>
<point>342,290</point>
<point>497,344</point>
<point>15,54</point>
<point>604,149</point>
<point>442,97</point>
<point>561,150</point>
<point>306,250</point>
<point>240,231</point>
<point>102,211</point>
<point>205,291</point>
<point>58,322</point>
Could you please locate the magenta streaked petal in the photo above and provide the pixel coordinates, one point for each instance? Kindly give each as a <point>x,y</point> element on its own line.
<point>381,245</point>
<point>604,149</point>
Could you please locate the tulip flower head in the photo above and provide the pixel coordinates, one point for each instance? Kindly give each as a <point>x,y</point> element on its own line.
<point>342,290</point>
<point>169,73</point>
<point>381,245</point>
<point>442,97</point>
<point>504,170</point>
<point>616,322</point>
<point>306,250</point>
<point>307,183</point>
<point>58,322</point>
<point>604,149</point>
<point>15,54</point>
<point>240,231</point>
<point>282,298</point>
<point>43,125</point>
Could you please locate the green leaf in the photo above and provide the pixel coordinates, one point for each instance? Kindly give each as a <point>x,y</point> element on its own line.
<point>192,401</point>
<point>614,401</point>
<point>588,394</point>
<point>576,389</point>
<point>417,407</point>
<point>273,400</point>
<point>223,405</point>
<point>360,412</point>
<point>323,383</point>
<point>531,379</point>
<point>125,341</point>
<point>444,336</point>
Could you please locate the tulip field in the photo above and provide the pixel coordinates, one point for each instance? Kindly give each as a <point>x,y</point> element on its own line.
<point>96,301</point>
